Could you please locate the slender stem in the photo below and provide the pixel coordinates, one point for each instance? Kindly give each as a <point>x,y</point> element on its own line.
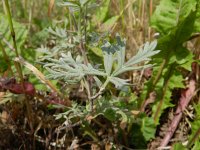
<point>166,82</point>
<point>11,26</point>
<point>17,64</point>
<point>102,88</point>
<point>157,78</point>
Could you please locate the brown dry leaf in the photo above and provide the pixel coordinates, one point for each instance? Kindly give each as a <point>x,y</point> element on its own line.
<point>135,112</point>
<point>89,117</point>
<point>74,145</point>
<point>1,95</point>
<point>95,147</point>
<point>108,146</point>
<point>41,77</point>
<point>51,4</point>
<point>4,117</point>
<point>123,125</point>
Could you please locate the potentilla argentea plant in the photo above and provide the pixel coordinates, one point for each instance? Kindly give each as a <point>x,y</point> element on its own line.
<point>74,70</point>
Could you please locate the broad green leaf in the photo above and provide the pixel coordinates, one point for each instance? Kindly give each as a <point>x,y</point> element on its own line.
<point>169,12</point>
<point>148,128</point>
<point>176,80</point>
<point>175,20</point>
<point>178,146</point>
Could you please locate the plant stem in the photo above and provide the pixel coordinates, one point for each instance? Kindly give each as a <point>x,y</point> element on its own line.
<point>166,82</point>
<point>102,88</point>
<point>17,64</point>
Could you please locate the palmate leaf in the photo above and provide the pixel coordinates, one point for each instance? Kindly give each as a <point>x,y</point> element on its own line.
<point>143,54</point>
<point>73,70</point>
<point>59,32</point>
<point>69,69</point>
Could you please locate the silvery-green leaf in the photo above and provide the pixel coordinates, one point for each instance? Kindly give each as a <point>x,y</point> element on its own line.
<point>125,69</point>
<point>58,32</point>
<point>120,50</point>
<point>143,54</point>
<point>108,57</point>
<point>118,82</point>
<point>98,82</point>
<point>43,49</point>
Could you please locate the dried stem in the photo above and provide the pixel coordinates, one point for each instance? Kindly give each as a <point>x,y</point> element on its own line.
<point>186,97</point>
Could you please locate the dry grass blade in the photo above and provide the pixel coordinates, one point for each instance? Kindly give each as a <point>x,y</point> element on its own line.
<point>40,76</point>
<point>51,4</point>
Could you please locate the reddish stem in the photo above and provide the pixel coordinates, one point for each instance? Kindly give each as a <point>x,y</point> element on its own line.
<point>186,97</point>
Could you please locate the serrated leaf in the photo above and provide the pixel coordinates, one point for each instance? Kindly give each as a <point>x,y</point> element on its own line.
<point>169,13</point>
<point>148,128</point>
